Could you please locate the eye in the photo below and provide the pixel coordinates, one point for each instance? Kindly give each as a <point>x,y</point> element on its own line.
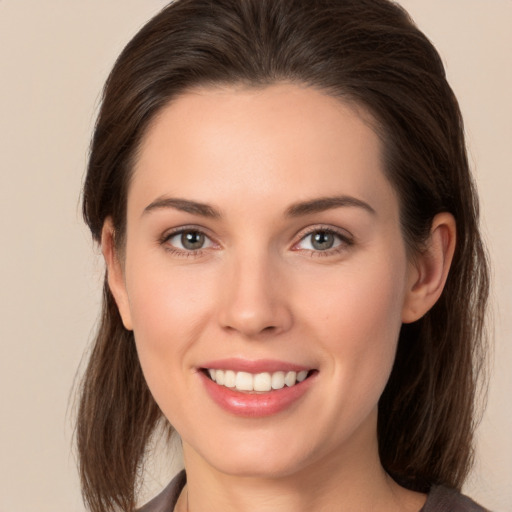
<point>188,240</point>
<point>323,240</point>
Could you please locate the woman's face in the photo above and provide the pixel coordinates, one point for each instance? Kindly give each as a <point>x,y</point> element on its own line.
<point>263,248</point>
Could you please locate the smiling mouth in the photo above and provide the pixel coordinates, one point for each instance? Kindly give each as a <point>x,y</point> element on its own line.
<point>256,382</point>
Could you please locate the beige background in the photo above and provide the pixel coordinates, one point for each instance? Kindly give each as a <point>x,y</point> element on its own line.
<point>54,57</point>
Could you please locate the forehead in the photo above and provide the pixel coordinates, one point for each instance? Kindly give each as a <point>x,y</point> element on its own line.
<point>282,142</point>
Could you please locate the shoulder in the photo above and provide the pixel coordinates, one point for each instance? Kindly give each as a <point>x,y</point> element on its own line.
<point>444,499</point>
<point>167,499</point>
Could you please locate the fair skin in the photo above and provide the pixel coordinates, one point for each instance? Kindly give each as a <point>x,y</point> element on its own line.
<point>234,257</point>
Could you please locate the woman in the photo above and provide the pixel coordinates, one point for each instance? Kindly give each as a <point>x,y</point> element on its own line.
<point>295,278</point>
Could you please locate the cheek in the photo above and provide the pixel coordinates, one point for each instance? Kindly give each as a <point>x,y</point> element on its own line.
<point>163,298</point>
<point>360,301</point>
<point>358,321</point>
<point>169,311</point>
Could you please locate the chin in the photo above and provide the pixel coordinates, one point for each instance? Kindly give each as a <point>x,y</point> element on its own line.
<point>263,468</point>
<point>262,456</point>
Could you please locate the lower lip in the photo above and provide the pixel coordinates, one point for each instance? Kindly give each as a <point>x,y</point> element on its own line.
<point>256,405</point>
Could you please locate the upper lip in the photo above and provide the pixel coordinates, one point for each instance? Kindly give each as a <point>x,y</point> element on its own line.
<point>254,366</point>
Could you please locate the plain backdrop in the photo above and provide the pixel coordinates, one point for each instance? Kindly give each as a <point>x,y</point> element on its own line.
<point>54,58</point>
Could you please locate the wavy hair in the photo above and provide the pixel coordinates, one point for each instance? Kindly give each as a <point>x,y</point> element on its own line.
<point>364,51</point>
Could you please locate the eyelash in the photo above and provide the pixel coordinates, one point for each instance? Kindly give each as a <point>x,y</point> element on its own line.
<point>345,241</point>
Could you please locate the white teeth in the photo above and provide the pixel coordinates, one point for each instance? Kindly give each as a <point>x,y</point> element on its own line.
<point>229,378</point>
<point>290,379</point>
<point>245,381</point>
<point>219,377</point>
<point>262,382</point>
<point>278,380</point>
<point>302,375</point>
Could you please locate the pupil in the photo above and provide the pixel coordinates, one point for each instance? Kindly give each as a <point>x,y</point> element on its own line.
<point>323,240</point>
<point>192,240</point>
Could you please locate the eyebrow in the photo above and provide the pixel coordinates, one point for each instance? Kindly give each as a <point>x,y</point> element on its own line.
<point>295,210</point>
<point>326,203</point>
<point>184,205</point>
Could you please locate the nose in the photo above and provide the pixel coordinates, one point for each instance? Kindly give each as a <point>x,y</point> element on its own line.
<point>254,301</point>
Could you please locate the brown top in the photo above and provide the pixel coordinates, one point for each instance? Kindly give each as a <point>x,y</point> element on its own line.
<point>439,499</point>
<point>443,499</point>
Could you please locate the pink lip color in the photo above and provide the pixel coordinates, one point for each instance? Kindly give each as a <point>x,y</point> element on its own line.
<point>255,405</point>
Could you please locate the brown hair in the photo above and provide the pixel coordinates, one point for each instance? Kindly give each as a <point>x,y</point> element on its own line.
<point>364,51</point>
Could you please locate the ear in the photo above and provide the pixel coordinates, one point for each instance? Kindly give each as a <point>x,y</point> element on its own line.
<point>429,270</point>
<point>115,273</point>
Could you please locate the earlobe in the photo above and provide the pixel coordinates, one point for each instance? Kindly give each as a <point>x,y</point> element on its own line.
<point>429,271</point>
<point>115,274</point>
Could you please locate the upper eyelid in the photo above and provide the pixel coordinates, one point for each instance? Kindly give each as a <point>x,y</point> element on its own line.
<point>189,227</point>
<point>343,233</point>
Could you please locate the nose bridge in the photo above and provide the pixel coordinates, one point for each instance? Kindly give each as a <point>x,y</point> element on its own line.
<point>253,300</point>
